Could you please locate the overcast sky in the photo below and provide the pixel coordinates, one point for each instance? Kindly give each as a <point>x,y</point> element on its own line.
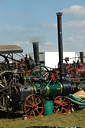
<point>25,21</point>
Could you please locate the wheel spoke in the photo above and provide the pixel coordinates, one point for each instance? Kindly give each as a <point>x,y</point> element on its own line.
<point>34,113</point>
<point>65,103</point>
<point>31,113</point>
<point>39,107</point>
<point>5,81</point>
<point>63,109</point>
<point>33,99</point>
<point>29,102</point>
<point>28,110</point>
<point>58,102</point>
<point>38,103</point>
<point>37,111</point>
<point>28,106</point>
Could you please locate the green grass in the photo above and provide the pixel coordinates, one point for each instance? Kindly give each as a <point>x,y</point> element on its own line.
<point>75,119</point>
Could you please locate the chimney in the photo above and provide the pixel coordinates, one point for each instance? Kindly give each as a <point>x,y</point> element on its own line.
<point>36,52</point>
<point>81,57</point>
<point>60,45</point>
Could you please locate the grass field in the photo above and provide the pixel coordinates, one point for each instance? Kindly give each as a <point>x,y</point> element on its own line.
<point>75,119</point>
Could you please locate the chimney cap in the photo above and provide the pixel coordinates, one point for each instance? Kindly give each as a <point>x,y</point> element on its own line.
<point>35,42</point>
<point>59,14</point>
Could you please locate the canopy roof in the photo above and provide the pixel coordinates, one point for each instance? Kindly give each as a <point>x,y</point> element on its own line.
<point>7,49</point>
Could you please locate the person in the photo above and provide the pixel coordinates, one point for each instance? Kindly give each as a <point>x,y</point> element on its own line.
<point>30,63</point>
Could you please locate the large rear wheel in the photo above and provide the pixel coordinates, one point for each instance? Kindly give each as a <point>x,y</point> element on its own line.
<point>7,82</point>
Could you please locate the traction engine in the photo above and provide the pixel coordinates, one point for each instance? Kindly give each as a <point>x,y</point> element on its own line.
<point>36,89</point>
<point>41,85</point>
<point>27,93</point>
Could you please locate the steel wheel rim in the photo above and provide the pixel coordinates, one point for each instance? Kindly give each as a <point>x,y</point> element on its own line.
<point>61,105</point>
<point>34,106</point>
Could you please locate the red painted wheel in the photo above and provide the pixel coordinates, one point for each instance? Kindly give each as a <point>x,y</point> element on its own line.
<point>61,105</point>
<point>33,106</point>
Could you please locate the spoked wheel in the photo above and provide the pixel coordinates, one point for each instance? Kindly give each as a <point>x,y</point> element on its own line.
<point>41,71</point>
<point>7,81</point>
<point>3,67</point>
<point>33,106</point>
<point>61,105</point>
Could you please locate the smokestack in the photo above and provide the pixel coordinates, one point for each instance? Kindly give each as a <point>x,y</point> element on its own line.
<point>81,57</point>
<point>60,45</point>
<point>36,52</point>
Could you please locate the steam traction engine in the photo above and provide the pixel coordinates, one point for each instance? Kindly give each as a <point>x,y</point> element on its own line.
<point>28,93</point>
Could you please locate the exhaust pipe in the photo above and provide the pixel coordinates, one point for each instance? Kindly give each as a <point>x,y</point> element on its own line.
<point>60,45</point>
<point>36,52</point>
